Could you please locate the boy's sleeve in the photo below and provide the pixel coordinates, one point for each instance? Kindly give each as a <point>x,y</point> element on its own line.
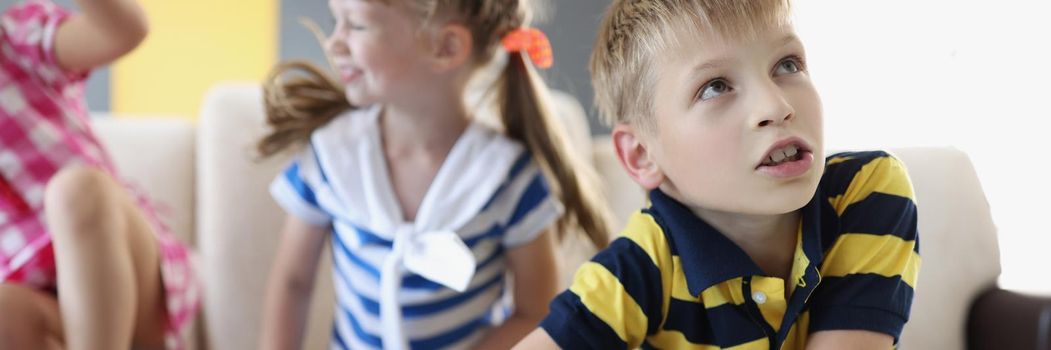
<point>29,31</point>
<point>870,271</point>
<point>615,301</point>
<point>536,208</point>
<point>295,189</point>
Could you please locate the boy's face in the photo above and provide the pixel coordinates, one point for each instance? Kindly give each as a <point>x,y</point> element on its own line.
<point>738,126</point>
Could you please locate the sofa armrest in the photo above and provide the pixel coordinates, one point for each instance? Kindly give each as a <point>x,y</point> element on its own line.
<point>1001,319</point>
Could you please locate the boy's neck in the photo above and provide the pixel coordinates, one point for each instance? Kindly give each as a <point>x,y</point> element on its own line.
<point>769,240</point>
<point>743,229</point>
<point>751,229</point>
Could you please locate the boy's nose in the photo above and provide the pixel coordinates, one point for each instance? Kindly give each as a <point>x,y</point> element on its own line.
<point>768,122</point>
<point>771,108</point>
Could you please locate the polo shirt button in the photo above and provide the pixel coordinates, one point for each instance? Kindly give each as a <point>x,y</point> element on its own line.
<point>759,297</point>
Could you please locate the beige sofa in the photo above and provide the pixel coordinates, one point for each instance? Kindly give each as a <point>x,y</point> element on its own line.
<point>215,193</point>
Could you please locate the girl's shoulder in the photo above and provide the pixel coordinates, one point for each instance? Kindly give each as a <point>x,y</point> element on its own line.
<point>31,13</point>
<point>485,133</point>
<point>28,32</point>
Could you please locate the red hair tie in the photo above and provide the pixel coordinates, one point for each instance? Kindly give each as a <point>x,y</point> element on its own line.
<point>532,41</point>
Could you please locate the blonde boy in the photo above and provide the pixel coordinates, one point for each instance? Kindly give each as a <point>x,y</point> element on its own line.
<point>751,239</point>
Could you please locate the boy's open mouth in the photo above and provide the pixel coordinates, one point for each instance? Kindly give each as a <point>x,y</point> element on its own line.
<point>782,155</point>
<point>785,151</point>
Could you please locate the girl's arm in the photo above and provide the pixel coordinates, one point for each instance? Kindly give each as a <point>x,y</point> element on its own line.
<point>104,31</point>
<point>535,282</point>
<point>291,284</point>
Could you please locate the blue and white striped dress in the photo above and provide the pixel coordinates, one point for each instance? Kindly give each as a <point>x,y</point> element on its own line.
<point>487,194</point>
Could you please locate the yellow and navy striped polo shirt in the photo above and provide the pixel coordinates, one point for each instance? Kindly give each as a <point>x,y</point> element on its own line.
<point>673,282</point>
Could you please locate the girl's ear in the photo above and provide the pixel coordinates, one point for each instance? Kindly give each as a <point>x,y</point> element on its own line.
<point>452,47</point>
<point>636,157</point>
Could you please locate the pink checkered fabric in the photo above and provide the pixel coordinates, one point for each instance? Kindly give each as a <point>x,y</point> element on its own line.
<point>44,128</point>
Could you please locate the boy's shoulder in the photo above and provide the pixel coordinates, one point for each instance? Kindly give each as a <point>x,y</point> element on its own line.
<point>845,167</point>
<point>852,176</point>
<point>644,232</point>
<point>644,225</point>
<point>853,157</point>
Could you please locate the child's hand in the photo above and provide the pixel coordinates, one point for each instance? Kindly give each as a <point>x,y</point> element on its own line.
<point>103,32</point>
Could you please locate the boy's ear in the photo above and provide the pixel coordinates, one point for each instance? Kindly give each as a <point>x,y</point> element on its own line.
<point>452,47</point>
<point>635,157</point>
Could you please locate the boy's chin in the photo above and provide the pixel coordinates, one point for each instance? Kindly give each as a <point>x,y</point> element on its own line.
<point>784,207</point>
<point>785,201</point>
<point>767,203</point>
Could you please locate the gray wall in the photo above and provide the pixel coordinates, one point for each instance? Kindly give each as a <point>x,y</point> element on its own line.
<point>296,41</point>
<point>572,30</point>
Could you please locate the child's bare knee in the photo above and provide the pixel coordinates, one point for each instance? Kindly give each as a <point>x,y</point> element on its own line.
<point>79,197</point>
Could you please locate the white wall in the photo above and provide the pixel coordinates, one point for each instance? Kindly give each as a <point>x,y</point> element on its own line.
<point>975,75</point>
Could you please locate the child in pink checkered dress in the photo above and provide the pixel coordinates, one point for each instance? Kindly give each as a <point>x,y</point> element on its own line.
<point>84,261</point>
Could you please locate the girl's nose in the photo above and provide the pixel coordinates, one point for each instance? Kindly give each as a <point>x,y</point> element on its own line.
<point>336,44</point>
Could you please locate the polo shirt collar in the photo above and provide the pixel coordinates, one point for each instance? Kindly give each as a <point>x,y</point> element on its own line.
<point>709,257</point>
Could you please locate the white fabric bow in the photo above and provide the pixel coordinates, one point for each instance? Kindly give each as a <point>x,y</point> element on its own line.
<point>439,256</point>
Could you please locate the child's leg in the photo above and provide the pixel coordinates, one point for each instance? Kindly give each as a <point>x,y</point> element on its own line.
<point>29,319</point>
<point>108,264</point>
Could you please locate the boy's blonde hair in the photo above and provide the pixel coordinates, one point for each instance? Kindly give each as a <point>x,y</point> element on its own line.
<point>297,107</point>
<point>634,33</point>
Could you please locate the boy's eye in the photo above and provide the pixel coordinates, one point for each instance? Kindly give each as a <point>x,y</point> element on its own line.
<point>789,65</point>
<point>713,89</point>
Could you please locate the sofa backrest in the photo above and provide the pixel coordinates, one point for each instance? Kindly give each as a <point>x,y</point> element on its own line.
<point>156,156</point>
<point>239,225</point>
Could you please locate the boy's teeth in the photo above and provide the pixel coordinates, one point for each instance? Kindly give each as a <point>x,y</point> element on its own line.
<point>780,155</point>
<point>777,156</point>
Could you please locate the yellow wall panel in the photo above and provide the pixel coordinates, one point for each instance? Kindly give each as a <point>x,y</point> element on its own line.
<point>192,45</point>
